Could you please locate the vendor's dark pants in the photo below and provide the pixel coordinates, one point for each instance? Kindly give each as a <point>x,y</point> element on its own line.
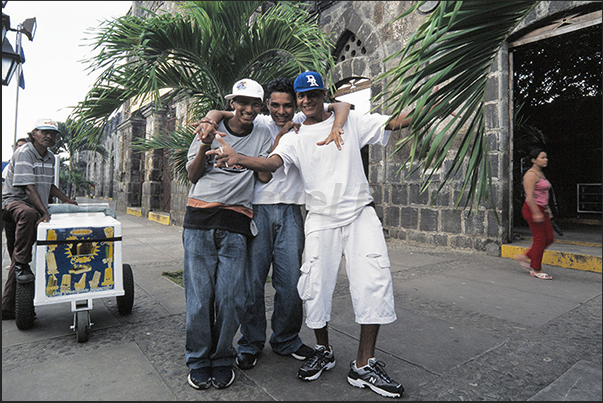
<point>20,223</point>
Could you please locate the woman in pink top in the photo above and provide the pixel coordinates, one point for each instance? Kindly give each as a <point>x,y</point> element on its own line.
<point>537,213</point>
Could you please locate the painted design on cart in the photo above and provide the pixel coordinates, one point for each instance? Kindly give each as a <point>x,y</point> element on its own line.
<point>52,236</point>
<point>51,262</point>
<point>80,285</point>
<point>68,265</point>
<point>95,280</point>
<point>51,286</point>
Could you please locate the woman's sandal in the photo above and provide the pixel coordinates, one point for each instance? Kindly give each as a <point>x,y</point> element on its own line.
<point>540,274</point>
<point>524,262</point>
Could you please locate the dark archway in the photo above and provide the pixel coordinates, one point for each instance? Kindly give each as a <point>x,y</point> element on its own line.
<point>557,105</point>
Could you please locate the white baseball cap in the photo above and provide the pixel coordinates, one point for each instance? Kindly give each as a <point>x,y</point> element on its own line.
<point>46,124</point>
<point>246,88</point>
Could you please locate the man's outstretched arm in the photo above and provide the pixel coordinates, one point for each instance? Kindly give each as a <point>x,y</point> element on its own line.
<point>342,111</point>
<point>399,122</point>
<point>226,156</point>
<point>402,120</point>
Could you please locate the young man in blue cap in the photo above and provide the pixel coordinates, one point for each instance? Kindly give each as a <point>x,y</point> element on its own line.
<point>341,221</point>
<point>29,184</point>
<point>217,226</point>
<point>279,243</point>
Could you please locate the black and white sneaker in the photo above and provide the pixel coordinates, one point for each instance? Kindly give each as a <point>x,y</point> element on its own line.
<point>313,366</point>
<point>246,360</point>
<point>302,353</point>
<point>374,376</point>
<point>222,377</point>
<point>200,378</point>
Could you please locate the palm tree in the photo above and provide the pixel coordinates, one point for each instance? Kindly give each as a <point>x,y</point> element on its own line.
<point>197,54</point>
<point>71,141</point>
<point>73,180</point>
<point>454,49</point>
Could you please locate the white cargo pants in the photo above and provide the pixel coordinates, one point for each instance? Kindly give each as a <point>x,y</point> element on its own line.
<point>367,265</point>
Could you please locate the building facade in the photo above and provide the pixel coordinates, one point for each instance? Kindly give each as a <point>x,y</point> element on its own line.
<point>365,34</point>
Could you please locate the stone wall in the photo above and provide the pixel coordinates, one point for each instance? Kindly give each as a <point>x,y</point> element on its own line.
<point>406,212</point>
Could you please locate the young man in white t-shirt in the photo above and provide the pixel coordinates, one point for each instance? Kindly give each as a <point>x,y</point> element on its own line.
<point>340,221</point>
<point>279,242</point>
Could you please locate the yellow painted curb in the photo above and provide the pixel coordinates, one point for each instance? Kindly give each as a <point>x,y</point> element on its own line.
<point>160,218</point>
<point>556,258</point>
<point>564,242</point>
<point>136,211</point>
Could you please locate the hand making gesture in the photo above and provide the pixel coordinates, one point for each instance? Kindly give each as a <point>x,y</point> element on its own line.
<point>225,156</point>
<point>206,129</point>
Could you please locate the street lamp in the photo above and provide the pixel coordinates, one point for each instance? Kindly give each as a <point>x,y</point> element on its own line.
<point>5,25</point>
<point>29,28</point>
<point>12,60</point>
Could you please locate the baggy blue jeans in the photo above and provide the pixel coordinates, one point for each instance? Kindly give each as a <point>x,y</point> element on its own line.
<point>213,274</point>
<point>280,243</point>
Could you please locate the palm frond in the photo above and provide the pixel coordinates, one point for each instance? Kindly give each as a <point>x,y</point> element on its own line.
<point>198,54</point>
<point>454,50</point>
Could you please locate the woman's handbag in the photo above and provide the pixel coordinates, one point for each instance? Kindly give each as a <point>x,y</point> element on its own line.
<point>553,223</point>
<point>556,227</point>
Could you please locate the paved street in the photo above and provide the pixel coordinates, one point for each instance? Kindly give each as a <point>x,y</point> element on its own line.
<point>470,327</point>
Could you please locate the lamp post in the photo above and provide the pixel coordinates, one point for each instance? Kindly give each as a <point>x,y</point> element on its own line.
<point>12,60</point>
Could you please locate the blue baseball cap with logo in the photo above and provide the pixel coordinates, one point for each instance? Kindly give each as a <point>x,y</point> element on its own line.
<point>308,81</point>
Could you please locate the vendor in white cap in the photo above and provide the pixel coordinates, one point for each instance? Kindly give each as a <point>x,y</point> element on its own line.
<point>25,194</point>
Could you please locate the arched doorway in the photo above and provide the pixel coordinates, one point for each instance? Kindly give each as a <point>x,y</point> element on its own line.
<point>556,81</point>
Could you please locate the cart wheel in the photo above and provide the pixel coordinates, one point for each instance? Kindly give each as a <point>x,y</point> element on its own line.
<point>24,306</point>
<point>125,302</point>
<point>82,325</point>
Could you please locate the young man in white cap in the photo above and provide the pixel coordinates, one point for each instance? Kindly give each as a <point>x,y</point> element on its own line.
<point>340,220</point>
<point>279,244</point>
<point>29,184</point>
<point>217,226</point>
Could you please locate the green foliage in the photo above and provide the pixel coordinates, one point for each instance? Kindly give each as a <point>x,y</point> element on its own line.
<point>198,54</point>
<point>175,276</point>
<point>453,50</point>
<point>72,180</point>
<point>71,142</point>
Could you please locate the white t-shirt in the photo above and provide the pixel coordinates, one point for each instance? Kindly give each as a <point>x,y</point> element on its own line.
<point>288,189</point>
<point>334,181</point>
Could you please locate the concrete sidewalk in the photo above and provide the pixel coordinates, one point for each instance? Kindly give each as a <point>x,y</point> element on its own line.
<point>470,327</point>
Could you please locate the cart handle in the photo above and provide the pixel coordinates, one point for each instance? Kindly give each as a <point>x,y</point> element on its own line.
<point>74,241</point>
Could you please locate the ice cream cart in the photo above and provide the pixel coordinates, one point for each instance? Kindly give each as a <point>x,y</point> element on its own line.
<point>77,258</point>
